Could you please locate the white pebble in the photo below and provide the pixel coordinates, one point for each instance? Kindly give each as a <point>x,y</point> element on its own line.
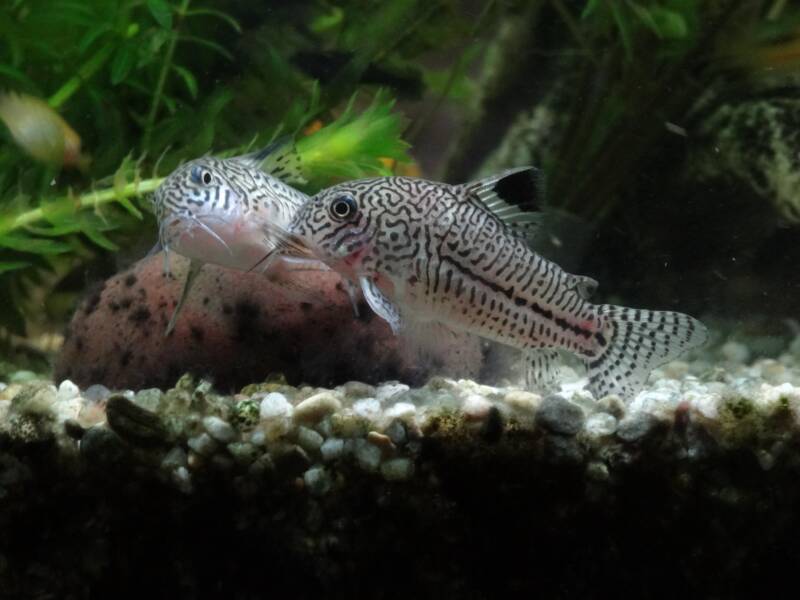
<point>367,455</point>
<point>368,408</point>
<point>258,437</point>
<point>400,410</point>
<point>331,449</point>
<point>182,479</point>
<point>275,406</point>
<point>308,439</point>
<point>476,407</point>
<point>601,424</point>
<point>707,404</point>
<point>397,469</point>
<point>67,391</point>
<point>174,458</point>
<point>389,390</point>
<point>219,430</point>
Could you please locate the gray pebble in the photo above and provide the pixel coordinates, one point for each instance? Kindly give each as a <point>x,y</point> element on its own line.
<point>560,416</point>
<point>309,439</point>
<point>243,453</point>
<point>220,430</point>
<point>96,393</point>
<point>367,455</point>
<point>318,481</point>
<point>331,449</point>
<point>601,424</point>
<point>397,469</point>
<point>292,461</point>
<point>174,458</point>
<point>636,426</point>
<point>149,399</point>
<point>397,432</point>
<point>203,444</point>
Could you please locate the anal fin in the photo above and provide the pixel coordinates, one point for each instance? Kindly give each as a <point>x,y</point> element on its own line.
<point>541,368</point>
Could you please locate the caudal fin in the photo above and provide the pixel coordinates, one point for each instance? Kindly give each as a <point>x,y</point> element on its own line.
<point>634,343</point>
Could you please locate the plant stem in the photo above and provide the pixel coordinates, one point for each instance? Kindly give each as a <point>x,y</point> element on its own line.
<point>162,77</point>
<point>88,200</point>
<point>88,69</point>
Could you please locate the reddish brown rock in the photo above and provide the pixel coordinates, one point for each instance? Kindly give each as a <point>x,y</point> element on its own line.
<point>237,328</point>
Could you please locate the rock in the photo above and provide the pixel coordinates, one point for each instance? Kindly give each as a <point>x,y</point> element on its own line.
<point>601,424</point>
<point>367,455</point>
<point>308,439</point>
<point>202,444</point>
<point>635,427</point>
<point>67,391</point>
<point>397,469</point>
<point>239,327</point>
<point>318,481</point>
<point>219,429</point>
<point>560,416</point>
<point>275,406</point>
<point>316,407</point>
<point>332,449</point>
<point>613,405</point>
<point>135,424</point>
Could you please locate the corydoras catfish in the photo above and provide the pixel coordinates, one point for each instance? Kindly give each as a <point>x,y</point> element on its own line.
<point>457,255</point>
<point>221,210</point>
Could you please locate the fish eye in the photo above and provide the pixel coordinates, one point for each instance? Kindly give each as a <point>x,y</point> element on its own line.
<point>200,175</point>
<point>343,206</point>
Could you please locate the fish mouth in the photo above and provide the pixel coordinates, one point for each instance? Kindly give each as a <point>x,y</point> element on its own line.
<point>211,238</point>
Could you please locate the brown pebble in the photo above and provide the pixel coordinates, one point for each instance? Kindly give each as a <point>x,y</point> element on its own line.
<point>384,442</point>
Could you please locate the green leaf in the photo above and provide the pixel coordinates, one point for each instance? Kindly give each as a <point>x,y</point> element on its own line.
<point>92,35</point>
<point>590,8</point>
<point>196,12</point>
<point>161,11</point>
<point>208,44</point>
<point>32,244</point>
<point>13,265</point>
<point>122,64</point>
<point>188,79</point>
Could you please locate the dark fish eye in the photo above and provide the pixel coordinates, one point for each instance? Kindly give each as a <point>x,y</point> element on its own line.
<point>200,175</point>
<point>343,206</point>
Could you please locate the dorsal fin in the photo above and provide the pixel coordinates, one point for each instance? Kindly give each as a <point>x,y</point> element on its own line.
<point>279,159</point>
<point>515,196</point>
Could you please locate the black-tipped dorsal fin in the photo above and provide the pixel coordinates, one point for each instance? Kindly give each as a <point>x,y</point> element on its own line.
<point>514,196</point>
<point>279,159</point>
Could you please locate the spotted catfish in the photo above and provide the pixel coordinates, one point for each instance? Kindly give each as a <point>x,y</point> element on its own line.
<point>220,211</point>
<point>457,255</point>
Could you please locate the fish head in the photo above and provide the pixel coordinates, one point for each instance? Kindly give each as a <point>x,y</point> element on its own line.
<point>339,226</point>
<point>214,210</point>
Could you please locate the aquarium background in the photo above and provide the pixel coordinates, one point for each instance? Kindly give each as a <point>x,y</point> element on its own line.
<point>667,134</point>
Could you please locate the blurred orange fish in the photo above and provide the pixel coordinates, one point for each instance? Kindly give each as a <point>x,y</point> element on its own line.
<point>41,132</point>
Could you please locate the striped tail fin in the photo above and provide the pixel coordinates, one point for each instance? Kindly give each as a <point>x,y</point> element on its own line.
<point>636,342</point>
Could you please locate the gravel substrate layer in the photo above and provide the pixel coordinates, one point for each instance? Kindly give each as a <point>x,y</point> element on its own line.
<point>692,488</point>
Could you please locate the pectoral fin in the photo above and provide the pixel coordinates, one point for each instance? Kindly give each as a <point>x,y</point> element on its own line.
<point>191,276</point>
<point>379,303</point>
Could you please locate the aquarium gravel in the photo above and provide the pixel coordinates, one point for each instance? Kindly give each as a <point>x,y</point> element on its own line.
<point>340,484</point>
